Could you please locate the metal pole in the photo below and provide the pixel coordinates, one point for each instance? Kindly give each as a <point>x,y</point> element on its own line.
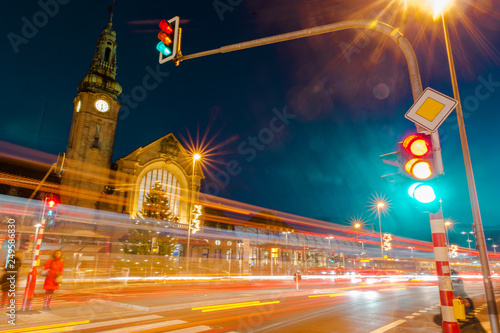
<point>380,231</point>
<point>190,217</point>
<point>483,256</point>
<point>30,198</point>
<point>414,73</point>
<point>29,291</point>
<point>446,295</point>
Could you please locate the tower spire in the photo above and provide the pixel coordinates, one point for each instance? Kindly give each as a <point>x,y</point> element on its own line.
<point>101,76</point>
<point>110,10</point>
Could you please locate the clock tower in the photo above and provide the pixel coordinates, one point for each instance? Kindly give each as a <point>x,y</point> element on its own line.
<point>92,134</point>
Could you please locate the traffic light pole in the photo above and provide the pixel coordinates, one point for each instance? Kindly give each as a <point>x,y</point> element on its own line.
<point>29,291</point>
<point>450,324</point>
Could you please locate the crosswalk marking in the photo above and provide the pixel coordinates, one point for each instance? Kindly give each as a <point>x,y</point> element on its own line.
<point>409,317</point>
<point>389,326</point>
<point>117,322</point>
<point>194,329</point>
<point>416,314</point>
<point>146,327</point>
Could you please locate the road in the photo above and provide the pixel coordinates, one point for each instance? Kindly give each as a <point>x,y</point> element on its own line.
<point>248,306</point>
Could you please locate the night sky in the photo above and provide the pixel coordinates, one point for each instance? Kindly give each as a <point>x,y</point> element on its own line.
<point>343,108</point>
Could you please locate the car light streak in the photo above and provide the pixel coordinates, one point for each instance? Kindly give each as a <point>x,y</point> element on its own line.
<point>232,306</point>
<point>327,295</point>
<point>48,328</point>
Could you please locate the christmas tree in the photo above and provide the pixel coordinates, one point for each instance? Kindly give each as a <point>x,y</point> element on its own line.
<point>157,205</point>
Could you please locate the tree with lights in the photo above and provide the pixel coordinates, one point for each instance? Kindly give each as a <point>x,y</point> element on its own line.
<point>157,205</point>
<point>141,242</point>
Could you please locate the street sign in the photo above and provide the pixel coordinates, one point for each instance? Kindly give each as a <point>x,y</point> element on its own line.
<point>431,109</point>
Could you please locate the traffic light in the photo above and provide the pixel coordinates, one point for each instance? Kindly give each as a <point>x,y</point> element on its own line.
<point>416,157</point>
<point>50,211</point>
<point>170,39</point>
<point>416,161</point>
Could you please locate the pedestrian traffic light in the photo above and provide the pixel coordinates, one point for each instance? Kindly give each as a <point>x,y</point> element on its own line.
<point>170,39</point>
<point>50,211</point>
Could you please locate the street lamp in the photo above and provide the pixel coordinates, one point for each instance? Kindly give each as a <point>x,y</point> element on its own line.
<point>411,248</point>
<point>439,7</point>
<point>468,239</point>
<point>196,157</point>
<point>380,205</point>
<point>448,224</point>
<point>493,244</point>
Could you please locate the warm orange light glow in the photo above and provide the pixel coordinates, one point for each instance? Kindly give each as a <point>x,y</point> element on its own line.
<point>380,205</point>
<point>196,157</point>
<point>438,6</point>
<point>419,147</point>
<point>357,225</point>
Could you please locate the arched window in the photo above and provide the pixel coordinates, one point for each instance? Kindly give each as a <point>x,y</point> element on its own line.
<point>169,184</point>
<point>107,54</point>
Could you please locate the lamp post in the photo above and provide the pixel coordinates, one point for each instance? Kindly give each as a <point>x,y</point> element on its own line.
<point>448,224</point>
<point>468,239</point>
<point>493,245</point>
<point>195,158</point>
<point>380,205</point>
<point>411,248</point>
<point>362,247</point>
<point>439,6</point>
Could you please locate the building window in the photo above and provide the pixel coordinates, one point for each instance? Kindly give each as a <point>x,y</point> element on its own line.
<point>107,54</point>
<point>204,253</point>
<point>217,253</point>
<point>169,184</point>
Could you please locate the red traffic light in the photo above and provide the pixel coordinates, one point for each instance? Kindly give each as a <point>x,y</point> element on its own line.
<point>416,157</point>
<point>169,37</point>
<point>418,145</point>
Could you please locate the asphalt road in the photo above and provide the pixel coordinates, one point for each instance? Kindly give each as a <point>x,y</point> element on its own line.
<point>250,306</point>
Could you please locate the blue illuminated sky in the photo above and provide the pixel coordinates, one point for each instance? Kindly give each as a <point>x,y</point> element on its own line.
<point>345,108</point>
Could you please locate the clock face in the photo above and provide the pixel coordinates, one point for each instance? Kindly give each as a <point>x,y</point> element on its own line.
<point>78,106</point>
<point>101,105</point>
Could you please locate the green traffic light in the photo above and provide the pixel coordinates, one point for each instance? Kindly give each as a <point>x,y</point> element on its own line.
<point>422,193</point>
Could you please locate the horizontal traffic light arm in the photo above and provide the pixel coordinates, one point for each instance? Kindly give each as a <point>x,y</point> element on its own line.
<point>384,28</point>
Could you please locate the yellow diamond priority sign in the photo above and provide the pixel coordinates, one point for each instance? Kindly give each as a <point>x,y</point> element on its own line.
<point>431,109</point>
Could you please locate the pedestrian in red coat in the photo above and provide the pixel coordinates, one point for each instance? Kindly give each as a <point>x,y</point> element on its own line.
<point>55,268</point>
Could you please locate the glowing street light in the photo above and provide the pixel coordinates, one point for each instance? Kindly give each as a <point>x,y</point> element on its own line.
<point>411,248</point>
<point>380,205</point>
<point>468,239</point>
<point>493,244</point>
<point>439,7</point>
<point>448,224</point>
<point>196,157</point>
